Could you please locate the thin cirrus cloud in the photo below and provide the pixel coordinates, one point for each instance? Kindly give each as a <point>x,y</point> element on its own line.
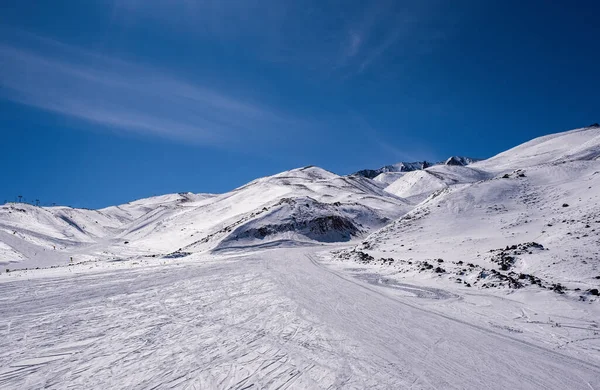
<point>125,96</point>
<point>406,29</point>
<point>318,35</point>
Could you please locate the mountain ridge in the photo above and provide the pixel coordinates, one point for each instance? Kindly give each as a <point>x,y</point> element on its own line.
<point>412,211</point>
<point>413,166</point>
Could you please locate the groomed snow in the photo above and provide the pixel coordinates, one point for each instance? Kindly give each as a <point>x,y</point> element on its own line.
<point>274,319</point>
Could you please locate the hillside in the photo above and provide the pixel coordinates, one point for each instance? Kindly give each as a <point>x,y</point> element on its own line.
<point>528,217</point>
<point>306,205</point>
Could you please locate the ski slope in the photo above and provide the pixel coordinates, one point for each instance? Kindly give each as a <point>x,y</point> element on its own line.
<point>275,319</point>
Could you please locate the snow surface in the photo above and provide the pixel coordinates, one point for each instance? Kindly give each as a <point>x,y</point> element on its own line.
<point>578,144</point>
<point>274,319</point>
<point>418,185</point>
<point>483,275</point>
<point>388,178</point>
<point>555,204</point>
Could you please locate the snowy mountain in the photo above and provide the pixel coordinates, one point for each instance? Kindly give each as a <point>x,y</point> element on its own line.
<point>398,167</point>
<point>390,173</point>
<point>544,191</point>
<point>527,217</point>
<point>471,275</point>
<point>458,160</point>
<point>417,185</point>
<point>299,206</point>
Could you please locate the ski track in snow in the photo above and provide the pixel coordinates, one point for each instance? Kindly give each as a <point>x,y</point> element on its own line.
<point>276,319</point>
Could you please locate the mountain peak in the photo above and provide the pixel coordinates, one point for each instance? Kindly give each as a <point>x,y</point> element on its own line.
<point>311,172</point>
<point>460,160</point>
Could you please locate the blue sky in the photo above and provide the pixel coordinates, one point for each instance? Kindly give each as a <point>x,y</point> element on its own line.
<point>106,101</point>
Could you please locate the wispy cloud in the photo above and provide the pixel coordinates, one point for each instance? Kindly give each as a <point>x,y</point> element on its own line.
<point>355,41</point>
<point>127,96</point>
<point>323,35</point>
<point>405,28</point>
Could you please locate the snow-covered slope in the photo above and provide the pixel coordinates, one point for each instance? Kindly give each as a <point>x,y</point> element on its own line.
<point>417,185</point>
<point>578,144</point>
<point>387,178</point>
<point>44,236</point>
<point>536,225</point>
<point>302,205</point>
<point>285,205</point>
<point>507,200</point>
<point>275,319</point>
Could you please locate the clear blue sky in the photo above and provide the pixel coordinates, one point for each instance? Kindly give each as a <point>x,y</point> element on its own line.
<point>106,101</point>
